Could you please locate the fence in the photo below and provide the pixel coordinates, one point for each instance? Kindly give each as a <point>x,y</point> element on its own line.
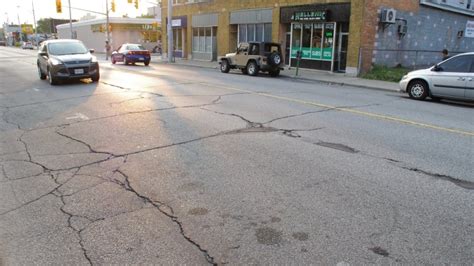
<point>411,59</point>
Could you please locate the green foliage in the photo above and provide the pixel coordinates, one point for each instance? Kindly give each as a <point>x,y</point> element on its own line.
<point>384,73</point>
<point>44,25</point>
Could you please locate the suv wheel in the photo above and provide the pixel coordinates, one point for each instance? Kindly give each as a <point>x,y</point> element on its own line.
<point>418,90</point>
<point>41,75</point>
<point>252,68</point>
<point>225,68</point>
<point>52,79</point>
<point>274,59</point>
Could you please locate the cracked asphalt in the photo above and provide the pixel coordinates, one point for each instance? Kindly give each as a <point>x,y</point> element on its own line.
<point>180,165</point>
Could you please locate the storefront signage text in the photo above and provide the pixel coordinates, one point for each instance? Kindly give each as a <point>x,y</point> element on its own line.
<point>309,16</point>
<point>469,33</point>
<point>176,23</point>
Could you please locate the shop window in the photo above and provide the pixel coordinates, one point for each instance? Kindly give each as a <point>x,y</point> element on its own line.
<point>203,39</point>
<point>195,39</point>
<point>259,32</point>
<point>243,33</point>
<point>208,36</point>
<point>267,32</point>
<point>296,35</point>
<point>251,32</point>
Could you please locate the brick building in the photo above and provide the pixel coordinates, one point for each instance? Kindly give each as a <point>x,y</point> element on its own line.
<point>333,35</point>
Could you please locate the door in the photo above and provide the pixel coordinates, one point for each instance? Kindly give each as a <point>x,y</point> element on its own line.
<point>241,56</point>
<point>342,51</point>
<point>449,79</point>
<point>287,48</point>
<point>470,82</point>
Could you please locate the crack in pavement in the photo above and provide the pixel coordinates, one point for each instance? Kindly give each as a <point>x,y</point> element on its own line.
<point>127,186</point>
<point>461,183</point>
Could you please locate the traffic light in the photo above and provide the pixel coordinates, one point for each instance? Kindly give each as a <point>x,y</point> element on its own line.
<point>136,4</point>
<point>59,8</point>
<point>113,6</point>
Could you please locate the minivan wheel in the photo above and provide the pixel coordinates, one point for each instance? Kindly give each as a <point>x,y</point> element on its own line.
<point>252,68</point>
<point>41,75</point>
<point>418,90</point>
<point>52,80</point>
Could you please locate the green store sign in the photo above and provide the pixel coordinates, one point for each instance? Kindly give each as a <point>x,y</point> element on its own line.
<point>309,16</point>
<point>313,53</point>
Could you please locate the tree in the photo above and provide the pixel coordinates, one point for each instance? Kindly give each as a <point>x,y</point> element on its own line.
<point>44,25</point>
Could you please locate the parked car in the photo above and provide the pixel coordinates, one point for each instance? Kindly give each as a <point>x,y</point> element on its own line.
<point>131,53</point>
<point>3,43</point>
<point>253,57</point>
<point>66,59</point>
<point>27,45</point>
<point>451,79</point>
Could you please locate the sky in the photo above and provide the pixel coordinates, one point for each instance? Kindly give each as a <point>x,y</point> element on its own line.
<point>10,9</point>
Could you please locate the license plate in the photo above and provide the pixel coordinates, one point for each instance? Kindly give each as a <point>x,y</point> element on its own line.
<point>141,58</point>
<point>79,71</point>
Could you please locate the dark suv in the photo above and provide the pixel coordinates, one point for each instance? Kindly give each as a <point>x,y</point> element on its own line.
<point>66,59</point>
<point>254,57</point>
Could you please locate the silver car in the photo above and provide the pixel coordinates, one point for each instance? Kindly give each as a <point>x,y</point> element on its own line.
<point>450,79</point>
<point>66,59</point>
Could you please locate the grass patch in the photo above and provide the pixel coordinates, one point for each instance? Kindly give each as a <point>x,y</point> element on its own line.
<point>393,74</point>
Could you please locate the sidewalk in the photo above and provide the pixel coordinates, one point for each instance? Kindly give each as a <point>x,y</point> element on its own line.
<point>304,74</point>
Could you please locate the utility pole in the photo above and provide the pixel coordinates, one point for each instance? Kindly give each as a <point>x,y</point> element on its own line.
<point>70,19</point>
<point>170,32</point>
<point>19,24</point>
<point>34,22</point>
<point>107,22</point>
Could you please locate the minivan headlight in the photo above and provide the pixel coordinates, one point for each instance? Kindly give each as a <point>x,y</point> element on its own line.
<point>94,59</point>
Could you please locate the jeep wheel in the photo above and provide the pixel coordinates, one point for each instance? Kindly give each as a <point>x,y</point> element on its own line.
<point>274,73</point>
<point>252,68</point>
<point>225,68</point>
<point>274,59</point>
<point>244,71</point>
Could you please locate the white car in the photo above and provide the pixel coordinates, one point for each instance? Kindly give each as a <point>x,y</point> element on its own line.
<point>451,79</point>
<point>27,45</point>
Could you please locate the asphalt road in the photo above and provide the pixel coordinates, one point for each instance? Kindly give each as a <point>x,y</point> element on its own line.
<point>179,165</point>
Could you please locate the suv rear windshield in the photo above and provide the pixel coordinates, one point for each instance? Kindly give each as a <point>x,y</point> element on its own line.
<point>63,48</point>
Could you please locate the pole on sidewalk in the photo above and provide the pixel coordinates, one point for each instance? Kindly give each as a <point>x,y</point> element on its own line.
<point>107,26</point>
<point>70,19</point>
<point>34,22</point>
<point>170,32</point>
<point>19,24</point>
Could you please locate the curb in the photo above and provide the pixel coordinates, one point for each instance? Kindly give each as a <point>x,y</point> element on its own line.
<point>289,77</point>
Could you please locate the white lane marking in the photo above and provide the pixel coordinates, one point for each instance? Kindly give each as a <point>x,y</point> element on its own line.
<point>78,116</point>
<point>35,89</point>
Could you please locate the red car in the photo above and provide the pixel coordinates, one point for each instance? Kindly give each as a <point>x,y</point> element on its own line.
<point>130,53</point>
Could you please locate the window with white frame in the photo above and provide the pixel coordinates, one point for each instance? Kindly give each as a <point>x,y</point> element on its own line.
<point>202,39</point>
<point>255,32</point>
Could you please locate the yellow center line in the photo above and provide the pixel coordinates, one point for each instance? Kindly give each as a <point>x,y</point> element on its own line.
<point>353,111</point>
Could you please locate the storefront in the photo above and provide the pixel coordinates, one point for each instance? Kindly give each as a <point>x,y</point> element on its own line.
<point>320,33</point>
<point>204,46</point>
<point>179,25</point>
<point>252,25</point>
<point>122,30</point>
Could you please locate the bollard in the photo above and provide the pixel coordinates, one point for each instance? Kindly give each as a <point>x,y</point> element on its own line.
<point>298,59</point>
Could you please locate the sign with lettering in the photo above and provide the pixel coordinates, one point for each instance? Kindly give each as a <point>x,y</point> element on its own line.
<point>319,15</point>
<point>469,33</point>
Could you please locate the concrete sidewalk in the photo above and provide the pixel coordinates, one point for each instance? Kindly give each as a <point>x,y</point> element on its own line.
<point>304,74</point>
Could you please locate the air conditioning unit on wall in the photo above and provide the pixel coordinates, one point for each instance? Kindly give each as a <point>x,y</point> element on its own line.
<point>388,16</point>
